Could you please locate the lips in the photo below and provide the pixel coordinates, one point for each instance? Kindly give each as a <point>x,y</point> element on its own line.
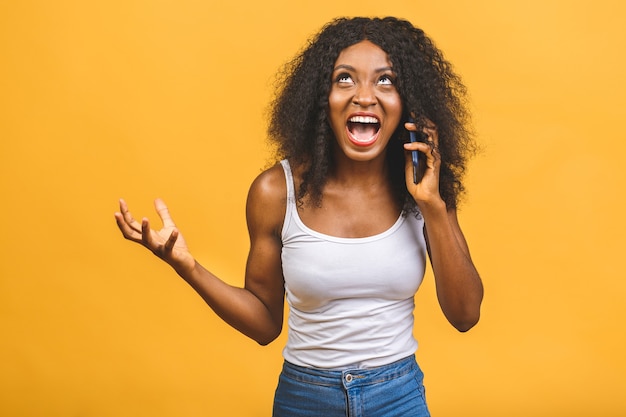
<point>363,129</point>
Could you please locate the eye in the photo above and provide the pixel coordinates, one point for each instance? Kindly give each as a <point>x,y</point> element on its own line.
<point>386,79</point>
<point>343,79</point>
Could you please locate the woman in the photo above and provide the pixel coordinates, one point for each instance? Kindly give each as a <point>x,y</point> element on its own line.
<point>342,227</point>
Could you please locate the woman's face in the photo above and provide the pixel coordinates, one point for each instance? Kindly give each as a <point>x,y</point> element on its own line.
<point>364,107</point>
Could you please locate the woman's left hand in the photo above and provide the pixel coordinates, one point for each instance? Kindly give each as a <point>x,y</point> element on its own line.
<point>459,287</point>
<point>426,191</point>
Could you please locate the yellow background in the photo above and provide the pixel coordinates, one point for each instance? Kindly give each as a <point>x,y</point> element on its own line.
<point>142,99</point>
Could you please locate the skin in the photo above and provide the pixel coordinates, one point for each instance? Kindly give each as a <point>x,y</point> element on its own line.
<point>357,199</point>
<point>357,202</point>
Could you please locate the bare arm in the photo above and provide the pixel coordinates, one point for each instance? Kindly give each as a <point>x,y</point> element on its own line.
<point>459,287</point>
<point>256,310</point>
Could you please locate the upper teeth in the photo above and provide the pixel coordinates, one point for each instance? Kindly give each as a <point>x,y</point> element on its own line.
<point>363,119</point>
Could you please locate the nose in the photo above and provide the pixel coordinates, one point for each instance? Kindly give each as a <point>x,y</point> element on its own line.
<point>364,96</point>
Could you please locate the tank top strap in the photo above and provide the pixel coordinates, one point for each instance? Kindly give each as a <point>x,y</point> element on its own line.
<point>291,195</point>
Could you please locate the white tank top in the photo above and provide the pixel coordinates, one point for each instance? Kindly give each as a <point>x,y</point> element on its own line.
<point>351,300</point>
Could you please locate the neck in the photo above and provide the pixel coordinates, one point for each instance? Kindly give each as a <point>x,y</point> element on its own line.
<point>351,173</point>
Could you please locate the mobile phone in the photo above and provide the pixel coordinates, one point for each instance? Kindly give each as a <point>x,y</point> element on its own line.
<point>414,155</point>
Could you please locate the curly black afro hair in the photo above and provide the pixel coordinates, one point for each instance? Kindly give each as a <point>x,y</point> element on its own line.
<point>426,83</point>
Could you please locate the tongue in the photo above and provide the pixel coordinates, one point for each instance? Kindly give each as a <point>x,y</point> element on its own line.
<point>363,131</point>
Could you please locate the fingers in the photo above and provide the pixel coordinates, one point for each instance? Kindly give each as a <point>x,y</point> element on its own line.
<point>127,225</point>
<point>128,217</point>
<point>147,239</point>
<point>126,230</point>
<point>171,241</point>
<point>164,213</point>
<point>432,135</point>
<point>433,142</point>
<point>429,145</point>
<point>427,188</point>
<point>141,232</point>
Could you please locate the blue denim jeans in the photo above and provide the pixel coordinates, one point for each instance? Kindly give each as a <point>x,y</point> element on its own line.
<point>394,390</point>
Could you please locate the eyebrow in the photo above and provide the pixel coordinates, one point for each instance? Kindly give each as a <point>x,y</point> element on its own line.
<point>351,68</point>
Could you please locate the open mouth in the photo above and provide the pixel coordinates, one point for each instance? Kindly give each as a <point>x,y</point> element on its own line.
<point>363,130</point>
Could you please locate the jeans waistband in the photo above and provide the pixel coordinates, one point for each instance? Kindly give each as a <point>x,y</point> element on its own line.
<point>351,377</point>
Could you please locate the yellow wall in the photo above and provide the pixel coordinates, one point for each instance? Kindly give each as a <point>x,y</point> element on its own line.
<point>143,99</point>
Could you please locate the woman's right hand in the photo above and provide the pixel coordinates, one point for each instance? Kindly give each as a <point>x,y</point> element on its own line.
<point>167,243</point>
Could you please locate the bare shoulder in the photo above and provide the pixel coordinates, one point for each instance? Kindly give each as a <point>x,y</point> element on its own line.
<point>267,200</point>
<point>269,188</point>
